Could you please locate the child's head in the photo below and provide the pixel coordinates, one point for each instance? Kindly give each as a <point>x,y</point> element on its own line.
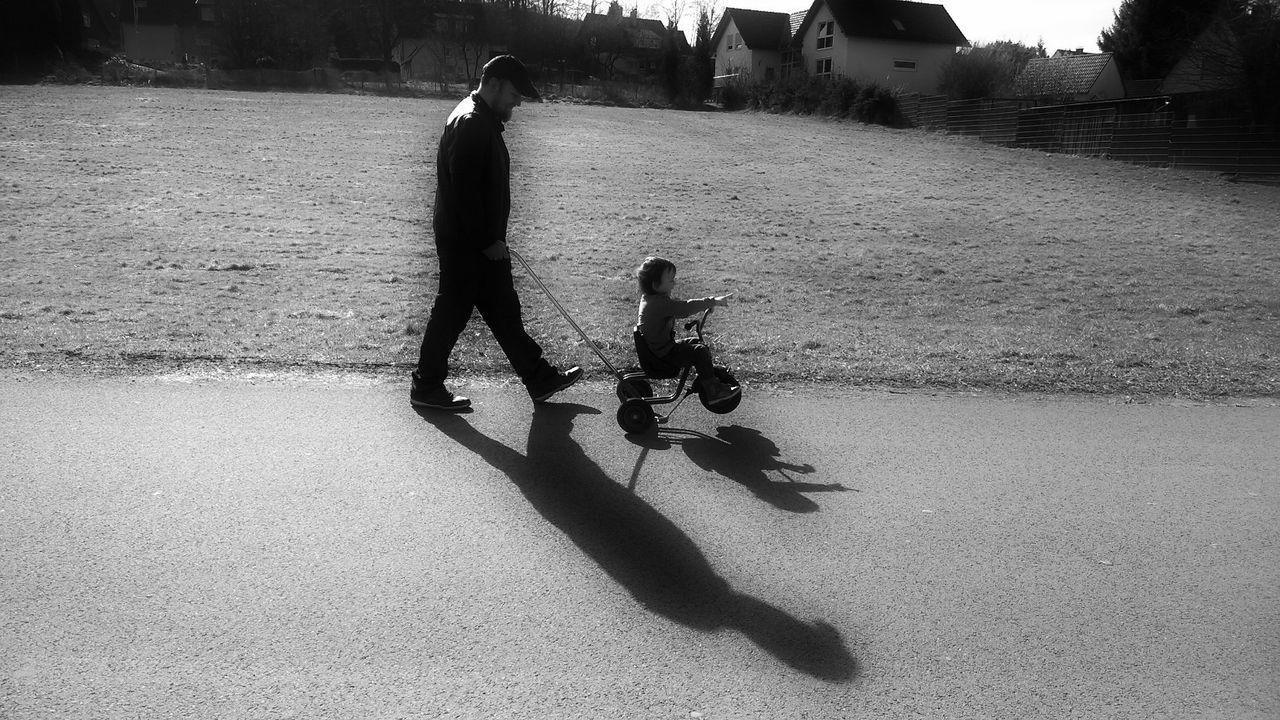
<point>650,273</point>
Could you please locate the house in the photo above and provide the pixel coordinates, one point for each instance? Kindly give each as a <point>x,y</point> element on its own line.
<point>1212,64</point>
<point>751,44</point>
<point>452,43</point>
<point>160,32</point>
<point>901,44</point>
<point>100,25</point>
<point>626,46</point>
<point>1070,76</point>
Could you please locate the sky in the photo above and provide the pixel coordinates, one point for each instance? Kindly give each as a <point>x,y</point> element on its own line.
<point>1062,24</point>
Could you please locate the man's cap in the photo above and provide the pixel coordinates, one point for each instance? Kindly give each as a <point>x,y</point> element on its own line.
<point>509,67</point>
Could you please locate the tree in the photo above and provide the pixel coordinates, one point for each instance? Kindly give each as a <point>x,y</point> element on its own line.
<point>670,70</point>
<point>1148,37</point>
<point>374,25</point>
<point>986,71</point>
<point>673,11</point>
<point>35,34</point>
<point>703,67</point>
<point>291,34</point>
<point>1258,30</point>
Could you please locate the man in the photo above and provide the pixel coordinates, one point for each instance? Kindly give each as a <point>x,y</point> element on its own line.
<point>472,205</point>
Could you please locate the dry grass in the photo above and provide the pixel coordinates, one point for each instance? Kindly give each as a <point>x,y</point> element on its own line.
<point>152,228</point>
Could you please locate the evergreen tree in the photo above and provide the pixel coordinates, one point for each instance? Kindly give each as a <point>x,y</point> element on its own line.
<point>703,67</point>
<point>1258,30</point>
<point>1148,37</point>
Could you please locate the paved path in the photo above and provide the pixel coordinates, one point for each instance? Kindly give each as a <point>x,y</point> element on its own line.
<point>316,549</point>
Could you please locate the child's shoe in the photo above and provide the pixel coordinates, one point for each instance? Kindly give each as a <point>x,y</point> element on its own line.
<point>718,392</point>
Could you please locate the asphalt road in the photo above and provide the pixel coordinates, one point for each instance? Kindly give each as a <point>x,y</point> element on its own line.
<point>227,547</point>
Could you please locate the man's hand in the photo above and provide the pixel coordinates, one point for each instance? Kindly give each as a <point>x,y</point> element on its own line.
<point>497,251</point>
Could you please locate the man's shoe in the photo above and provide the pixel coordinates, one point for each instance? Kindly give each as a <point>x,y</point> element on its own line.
<point>555,384</point>
<point>438,399</point>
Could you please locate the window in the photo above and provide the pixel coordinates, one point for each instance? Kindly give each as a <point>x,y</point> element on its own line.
<point>904,64</point>
<point>824,67</point>
<point>792,62</point>
<point>826,34</point>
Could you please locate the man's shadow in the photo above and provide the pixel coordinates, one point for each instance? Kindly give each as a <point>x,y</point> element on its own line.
<point>639,547</point>
<point>747,457</point>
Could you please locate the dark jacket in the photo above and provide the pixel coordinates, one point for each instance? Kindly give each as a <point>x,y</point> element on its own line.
<point>657,319</point>
<point>473,181</point>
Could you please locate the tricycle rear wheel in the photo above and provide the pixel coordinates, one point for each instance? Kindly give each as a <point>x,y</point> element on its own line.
<point>635,416</point>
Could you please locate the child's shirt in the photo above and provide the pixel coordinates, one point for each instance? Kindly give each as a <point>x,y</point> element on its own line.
<point>658,313</point>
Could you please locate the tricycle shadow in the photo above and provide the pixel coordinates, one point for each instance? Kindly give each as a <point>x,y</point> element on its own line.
<point>642,550</point>
<point>745,456</point>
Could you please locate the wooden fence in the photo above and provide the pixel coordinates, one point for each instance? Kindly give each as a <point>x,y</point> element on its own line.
<point>1143,131</point>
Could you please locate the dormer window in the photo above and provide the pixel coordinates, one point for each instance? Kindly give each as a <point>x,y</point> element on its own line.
<point>826,34</point>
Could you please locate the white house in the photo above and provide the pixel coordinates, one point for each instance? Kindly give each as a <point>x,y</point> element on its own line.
<point>903,45</point>
<point>751,43</point>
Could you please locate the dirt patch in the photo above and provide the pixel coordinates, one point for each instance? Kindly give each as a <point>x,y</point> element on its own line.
<point>153,228</point>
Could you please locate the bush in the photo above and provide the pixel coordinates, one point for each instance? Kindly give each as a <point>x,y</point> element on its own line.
<point>732,97</point>
<point>840,98</point>
<point>876,105</point>
<point>986,70</point>
<point>828,97</point>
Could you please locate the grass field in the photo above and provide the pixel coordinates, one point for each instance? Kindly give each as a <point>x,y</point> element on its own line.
<point>147,230</point>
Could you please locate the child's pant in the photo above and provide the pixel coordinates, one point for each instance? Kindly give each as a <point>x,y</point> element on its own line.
<point>690,351</point>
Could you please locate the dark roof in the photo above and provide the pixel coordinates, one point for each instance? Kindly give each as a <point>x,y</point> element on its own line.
<point>1060,75</point>
<point>760,30</point>
<point>626,22</point>
<point>423,24</point>
<point>890,20</point>
<point>640,33</point>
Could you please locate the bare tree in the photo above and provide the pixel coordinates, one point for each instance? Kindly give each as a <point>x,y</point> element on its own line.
<point>711,10</point>
<point>673,11</point>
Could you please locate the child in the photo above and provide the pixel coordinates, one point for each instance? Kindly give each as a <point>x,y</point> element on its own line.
<point>658,313</point>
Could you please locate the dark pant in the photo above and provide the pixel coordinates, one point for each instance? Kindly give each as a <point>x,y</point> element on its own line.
<point>690,351</point>
<point>477,283</point>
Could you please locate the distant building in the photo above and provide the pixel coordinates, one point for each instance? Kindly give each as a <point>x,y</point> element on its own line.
<point>1070,76</point>
<point>899,44</point>
<point>751,44</point>
<point>451,42</point>
<point>623,46</point>
<point>1212,64</point>
<point>903,45</point>
<point>161,32</point>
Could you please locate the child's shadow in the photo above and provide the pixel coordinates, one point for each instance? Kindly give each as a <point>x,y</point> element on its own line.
<point>747,457</point>
<point>639,547</point>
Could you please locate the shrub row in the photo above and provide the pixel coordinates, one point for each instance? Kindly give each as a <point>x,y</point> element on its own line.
<point>844,98</point>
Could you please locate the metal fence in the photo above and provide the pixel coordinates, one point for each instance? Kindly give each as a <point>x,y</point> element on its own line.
<point>1143,131</point>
